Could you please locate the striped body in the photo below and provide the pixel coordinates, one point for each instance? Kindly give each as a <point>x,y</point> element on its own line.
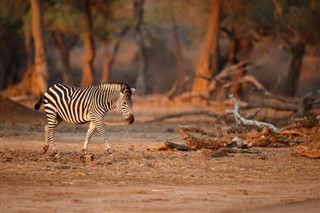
<point>82,105</point>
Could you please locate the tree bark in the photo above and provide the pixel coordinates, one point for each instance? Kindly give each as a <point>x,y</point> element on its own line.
<point>292,81</point>
<point>64,47</point>
<point>29,47</point>
<point>233,50</point>
<point>40,62</point>
<point>243,55</point>
<point>208,62</point>
<point>142,63</point>
<point>89,48</point>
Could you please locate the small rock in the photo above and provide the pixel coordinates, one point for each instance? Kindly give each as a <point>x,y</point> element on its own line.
<point>80,174</point>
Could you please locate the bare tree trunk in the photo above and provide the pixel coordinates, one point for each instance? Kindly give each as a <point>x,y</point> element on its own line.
<point>208,62</point>
<point>292,80</point>
<point>64,47</point>
<point>106,63</point>
<point>40,62</point>
<point>34,80</point>
<point>89,48</point>
<point>179,58</point>
<point>108,59</point>
<point>243,52</point>
<point>142,64</point>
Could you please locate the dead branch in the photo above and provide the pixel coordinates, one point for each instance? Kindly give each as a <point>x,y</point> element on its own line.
<point>270,138</point>
<point>276,98</point>
<point>222,78</point>
<point>252,80</point>
<point>309,101</point>
<point>175,87</point>
<point>243,121</point>
<point>181,114</point>
<point>196,143</point>
<point>253,115</point>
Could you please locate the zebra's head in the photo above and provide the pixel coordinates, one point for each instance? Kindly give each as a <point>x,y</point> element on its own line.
<point>124,103</point>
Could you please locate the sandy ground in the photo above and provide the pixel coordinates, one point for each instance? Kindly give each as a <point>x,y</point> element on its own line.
<point>138,178</point>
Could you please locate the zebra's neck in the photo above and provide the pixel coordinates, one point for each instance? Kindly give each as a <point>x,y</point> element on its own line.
<point>111,92</point>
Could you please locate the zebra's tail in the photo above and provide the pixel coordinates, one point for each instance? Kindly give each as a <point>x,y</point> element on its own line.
<point>39,103</point>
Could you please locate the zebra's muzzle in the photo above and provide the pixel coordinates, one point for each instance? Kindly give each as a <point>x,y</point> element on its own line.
<point>130,119</point>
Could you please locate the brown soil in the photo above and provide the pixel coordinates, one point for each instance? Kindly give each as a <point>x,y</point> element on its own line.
<point>138,178</point>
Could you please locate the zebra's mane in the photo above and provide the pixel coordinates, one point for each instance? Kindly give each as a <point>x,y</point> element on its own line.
<point>116,86</point>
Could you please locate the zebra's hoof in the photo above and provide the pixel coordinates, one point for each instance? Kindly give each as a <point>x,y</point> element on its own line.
<point>55,154</point>
<point>110,151</point>
<point>45,149</point>
<point>87,157</point>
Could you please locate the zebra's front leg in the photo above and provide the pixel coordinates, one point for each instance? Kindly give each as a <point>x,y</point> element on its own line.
<point>100,128</point>
<point>91,129</point>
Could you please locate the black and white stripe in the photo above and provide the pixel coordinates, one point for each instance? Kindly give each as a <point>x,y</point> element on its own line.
<point>82,105</point>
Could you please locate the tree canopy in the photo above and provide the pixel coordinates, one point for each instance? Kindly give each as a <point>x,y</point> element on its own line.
<point>173,34</point>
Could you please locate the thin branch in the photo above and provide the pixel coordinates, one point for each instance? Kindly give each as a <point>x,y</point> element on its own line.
<point>252,80</point>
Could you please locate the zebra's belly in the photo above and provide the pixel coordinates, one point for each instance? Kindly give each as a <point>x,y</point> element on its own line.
<point>74,118</point>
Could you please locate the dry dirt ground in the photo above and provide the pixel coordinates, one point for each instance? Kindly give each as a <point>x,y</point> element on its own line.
<point>138,178</point>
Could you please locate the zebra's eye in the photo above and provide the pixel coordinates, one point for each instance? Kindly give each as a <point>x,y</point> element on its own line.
<point>125,102</point>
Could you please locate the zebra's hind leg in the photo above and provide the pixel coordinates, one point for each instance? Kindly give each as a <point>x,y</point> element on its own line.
<point>46,145</point>
<point>91,129</point>
<point>49,135</point>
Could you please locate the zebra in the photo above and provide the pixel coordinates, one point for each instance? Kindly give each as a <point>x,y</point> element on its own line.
<point>76,105</point>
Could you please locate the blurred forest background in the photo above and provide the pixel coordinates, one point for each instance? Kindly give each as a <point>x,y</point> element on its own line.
<point>162,46</point>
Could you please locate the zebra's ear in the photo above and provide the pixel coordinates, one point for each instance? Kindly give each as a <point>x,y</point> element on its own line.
<point>124,89</point>
<point>133,90</point>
